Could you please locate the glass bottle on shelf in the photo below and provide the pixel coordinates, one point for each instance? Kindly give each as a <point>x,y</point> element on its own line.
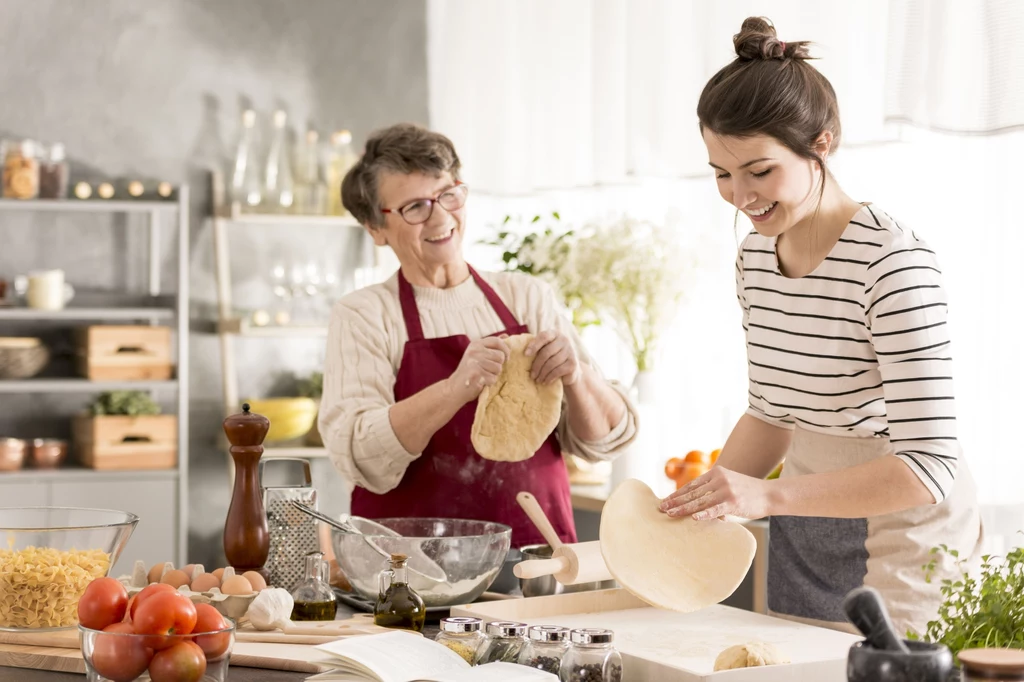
<point>53,173</point>
<point>314,598</point>
<point>398,605</point>
<point>278,185</point>
<point>246,189</point>
<point>340,158</point>
<point>310,187</point>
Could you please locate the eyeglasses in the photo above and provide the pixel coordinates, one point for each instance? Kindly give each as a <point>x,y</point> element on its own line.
<point>419,210</point>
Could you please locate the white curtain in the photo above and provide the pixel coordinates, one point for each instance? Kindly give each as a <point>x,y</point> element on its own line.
<point>588,108</point>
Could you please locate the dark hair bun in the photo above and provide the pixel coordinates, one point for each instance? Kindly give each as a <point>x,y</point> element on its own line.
<point>757,40</point>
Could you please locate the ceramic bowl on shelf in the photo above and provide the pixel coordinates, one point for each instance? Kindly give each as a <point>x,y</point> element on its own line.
<point>12,453</point>
<point>48,453</point>
<point>22,357</point>
<point>48,557</point>
<point>290,418</point>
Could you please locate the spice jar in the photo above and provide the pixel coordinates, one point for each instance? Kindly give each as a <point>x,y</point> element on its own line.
<point>591,658</point>
<point>505,641</point>
<point>546,646</point>
<point>21,170</point>
<point>991,665</point>
<point>463,636</point>
<point>53,173</point>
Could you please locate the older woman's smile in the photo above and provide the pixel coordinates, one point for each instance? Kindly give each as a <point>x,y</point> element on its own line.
<point>442,238</point>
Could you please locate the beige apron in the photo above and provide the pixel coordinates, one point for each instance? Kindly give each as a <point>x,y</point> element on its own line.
<point>814,562</point>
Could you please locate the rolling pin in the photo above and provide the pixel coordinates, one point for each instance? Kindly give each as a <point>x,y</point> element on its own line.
<point>570,564</point>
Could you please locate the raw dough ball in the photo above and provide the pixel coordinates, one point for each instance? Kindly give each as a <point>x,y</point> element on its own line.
<point>516,415</point>
<point>750,655</point>
<point>672,563</point>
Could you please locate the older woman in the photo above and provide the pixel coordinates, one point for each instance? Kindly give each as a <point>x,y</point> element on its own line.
<point>407,359</point>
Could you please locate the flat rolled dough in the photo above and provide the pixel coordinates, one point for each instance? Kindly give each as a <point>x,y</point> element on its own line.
<point>671,563</point>
<point>750,655</point>
<point>516,415</point>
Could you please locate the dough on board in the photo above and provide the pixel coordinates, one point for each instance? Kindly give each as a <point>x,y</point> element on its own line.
<point>750,655</point>
<point>516,415</point>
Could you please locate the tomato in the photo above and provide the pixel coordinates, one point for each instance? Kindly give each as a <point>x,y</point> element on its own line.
<point>209,620</point>
<point>104,603</point>
<point>183,662</point>
<point>120,658</point>
<point>145,594</point>
<point>128,612</point>
<point>170,613</point>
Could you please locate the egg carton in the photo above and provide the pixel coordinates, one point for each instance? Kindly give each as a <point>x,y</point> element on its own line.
<point>233,606</point>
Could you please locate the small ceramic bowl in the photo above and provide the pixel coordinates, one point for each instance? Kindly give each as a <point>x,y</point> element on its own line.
<point>48,453</point>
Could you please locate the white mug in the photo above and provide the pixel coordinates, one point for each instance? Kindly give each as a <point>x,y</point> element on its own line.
<point>47,290</point>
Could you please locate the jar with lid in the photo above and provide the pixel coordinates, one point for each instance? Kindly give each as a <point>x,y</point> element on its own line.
<point>991,665</point>
<point>314,599</point>
<point>591,657</point>
<point>463,636</point>
<point>546,646</point>
<point>505,641</point>
<point>21,170</point>
<point>53,173</point>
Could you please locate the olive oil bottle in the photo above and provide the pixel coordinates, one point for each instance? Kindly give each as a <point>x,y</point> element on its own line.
<point>398,605</point>
<point>314,598</point>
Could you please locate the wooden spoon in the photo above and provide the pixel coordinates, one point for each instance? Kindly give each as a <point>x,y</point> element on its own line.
<point>532,508</point>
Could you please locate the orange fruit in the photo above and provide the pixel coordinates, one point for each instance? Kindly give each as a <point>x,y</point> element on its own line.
<point>696,456</point>
<point>690,471</point>
<point>673,468</point>
<point>715,454</point>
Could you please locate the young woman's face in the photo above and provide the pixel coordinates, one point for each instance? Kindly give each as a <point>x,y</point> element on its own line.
<point>770,184</point>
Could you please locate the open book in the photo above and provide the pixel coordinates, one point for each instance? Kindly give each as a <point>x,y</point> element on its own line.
<point>404,657</point>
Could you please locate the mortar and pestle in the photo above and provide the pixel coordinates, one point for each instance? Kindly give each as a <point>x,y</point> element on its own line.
<point>885,657</point>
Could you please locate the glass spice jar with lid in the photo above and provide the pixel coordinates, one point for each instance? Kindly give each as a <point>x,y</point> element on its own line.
<point>20,170</point>
<point>53,173</point>
<point>463,636</point>
<point>505,641</point>
<point>546,646</point>
<point>591,657</point>
<point>991,665</point>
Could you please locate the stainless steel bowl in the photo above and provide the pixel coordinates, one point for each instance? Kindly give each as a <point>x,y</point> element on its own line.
<point>546,584</point>
<point>470,553</point>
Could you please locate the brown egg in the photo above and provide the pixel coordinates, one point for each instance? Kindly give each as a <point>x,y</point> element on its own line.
<point>236,585</point>
<point>189,570</point>
<point>256,580</point>
<point>175,578</point>
<point>219,573</point>
<point>156,572</point>
<point>204,582</point>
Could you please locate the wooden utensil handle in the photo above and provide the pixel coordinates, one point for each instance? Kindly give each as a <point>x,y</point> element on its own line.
<point>532,508</point>
<point>535,568</point>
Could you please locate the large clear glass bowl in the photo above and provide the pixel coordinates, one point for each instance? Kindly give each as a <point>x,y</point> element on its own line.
<point>460,557</point>
<point>121,657</point>
<point>48,555</point>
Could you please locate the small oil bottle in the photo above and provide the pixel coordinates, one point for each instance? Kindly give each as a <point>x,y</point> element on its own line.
<point>398,606</point>
<point>314,598</point>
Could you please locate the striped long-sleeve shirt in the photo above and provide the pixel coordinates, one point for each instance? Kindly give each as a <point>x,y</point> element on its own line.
<point>858,347</point>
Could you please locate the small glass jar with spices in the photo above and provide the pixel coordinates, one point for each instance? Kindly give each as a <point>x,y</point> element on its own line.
<point>591,657</point>
<point>505,641</point>
<point>991,665</point>
<point>53,173</point>
<point>463,636</point>
<point>546,646</point>
<point>20,169</point>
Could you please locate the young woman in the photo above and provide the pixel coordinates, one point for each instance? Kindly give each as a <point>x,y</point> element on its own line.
<point>849,359</point>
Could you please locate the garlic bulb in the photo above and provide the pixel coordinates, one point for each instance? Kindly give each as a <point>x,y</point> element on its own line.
<point>271,609</point>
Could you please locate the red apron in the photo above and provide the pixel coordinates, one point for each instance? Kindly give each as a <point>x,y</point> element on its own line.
<point>450,479</point>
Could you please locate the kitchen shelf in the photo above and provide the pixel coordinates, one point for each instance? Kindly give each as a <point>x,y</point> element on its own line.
<point>79,473</point>
<point>86,314</point>
<point>242,327</point>
<point>73,385</point>
<point>271,452</point>
<point>85,206</point>
<point>288,219</point>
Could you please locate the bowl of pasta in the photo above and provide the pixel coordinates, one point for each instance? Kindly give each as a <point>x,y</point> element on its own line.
<point>49,555</point>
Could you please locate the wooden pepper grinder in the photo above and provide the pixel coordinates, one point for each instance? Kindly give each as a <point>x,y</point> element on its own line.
<point>246,536</point>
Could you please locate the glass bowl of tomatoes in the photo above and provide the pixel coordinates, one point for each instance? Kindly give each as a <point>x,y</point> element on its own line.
<point>48,555</point>
<point>158,635</point>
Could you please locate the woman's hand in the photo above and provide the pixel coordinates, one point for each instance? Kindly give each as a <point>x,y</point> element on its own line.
<point>554,357</point>
<point>480,366</point>
<point>720,492</point>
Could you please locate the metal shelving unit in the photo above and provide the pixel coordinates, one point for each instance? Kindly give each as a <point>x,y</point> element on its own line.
<point>154,308</point>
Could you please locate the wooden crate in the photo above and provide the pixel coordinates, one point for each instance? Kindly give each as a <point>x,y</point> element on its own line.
<point>123,352</point>
<point>118,442</point>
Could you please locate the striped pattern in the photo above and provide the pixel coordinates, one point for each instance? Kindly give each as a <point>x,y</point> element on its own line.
<point>858,347</point>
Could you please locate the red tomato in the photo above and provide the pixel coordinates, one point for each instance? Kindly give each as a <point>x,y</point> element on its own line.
<point>170,613</point>
<point>146,593</point>
<point>183,662</point>
<point>209,619</point>
<point>104,603</point>
<point>128,612</point>
<point>120,658</point>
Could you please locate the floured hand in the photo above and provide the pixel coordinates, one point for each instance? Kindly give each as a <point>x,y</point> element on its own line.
<point>720,492</point>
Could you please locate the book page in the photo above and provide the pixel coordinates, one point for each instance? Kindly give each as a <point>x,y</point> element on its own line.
<point>393,656</point>
<point>494,672</point>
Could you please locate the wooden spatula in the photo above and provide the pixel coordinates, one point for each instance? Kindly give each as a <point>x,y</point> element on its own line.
<point>532,508</point>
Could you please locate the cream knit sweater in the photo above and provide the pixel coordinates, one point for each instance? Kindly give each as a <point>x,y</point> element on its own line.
<point>364,350</point>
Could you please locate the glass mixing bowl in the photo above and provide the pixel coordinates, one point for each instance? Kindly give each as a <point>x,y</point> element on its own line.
<point>451,561</point>
<point>48,555</point>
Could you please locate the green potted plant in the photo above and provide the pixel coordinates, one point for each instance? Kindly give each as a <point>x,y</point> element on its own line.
<point>125,430</point>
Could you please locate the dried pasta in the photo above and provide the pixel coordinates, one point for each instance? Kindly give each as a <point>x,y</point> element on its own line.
<point>40,586</point>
